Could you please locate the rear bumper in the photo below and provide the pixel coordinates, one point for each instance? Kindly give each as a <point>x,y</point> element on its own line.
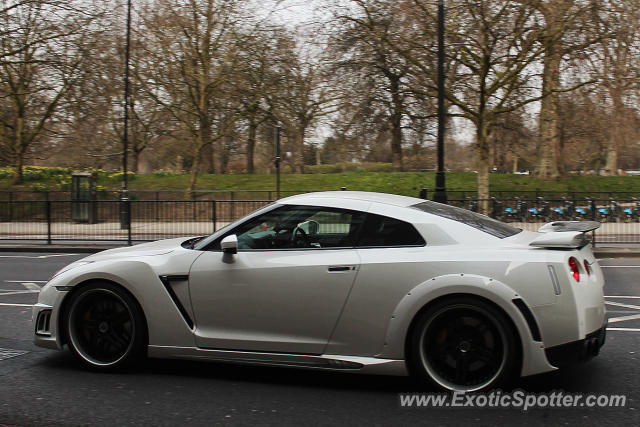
<point>577,351</point>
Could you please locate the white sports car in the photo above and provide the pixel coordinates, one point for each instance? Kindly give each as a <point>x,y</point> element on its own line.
<point>349,281</point>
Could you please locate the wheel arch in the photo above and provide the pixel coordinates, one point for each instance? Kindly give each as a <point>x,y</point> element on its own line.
<point>412,325</point>
<point>64,307</point>
<point>164,324</point>
<point>496,293</point>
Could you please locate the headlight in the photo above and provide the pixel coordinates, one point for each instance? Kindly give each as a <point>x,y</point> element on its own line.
<point>70,267</point>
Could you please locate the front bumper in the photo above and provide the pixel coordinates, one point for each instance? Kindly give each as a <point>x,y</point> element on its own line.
<point>45,316</point>
<point>44,321</point>
<point>577,351</point>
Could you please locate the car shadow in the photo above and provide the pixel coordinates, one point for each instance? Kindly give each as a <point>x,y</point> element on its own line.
<point>587,377</point>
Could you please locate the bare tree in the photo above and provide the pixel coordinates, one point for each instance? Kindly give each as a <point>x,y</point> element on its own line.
<point>567,29</point>
<point>301,97</point>
<point>493,53</point>
<point>256,80</point>
<point>43,45</point>
<point>615,62</point>
<point>363,60</point>
<point>191,47</point>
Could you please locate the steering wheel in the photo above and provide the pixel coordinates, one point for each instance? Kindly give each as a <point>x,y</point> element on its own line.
<point>299,238</point>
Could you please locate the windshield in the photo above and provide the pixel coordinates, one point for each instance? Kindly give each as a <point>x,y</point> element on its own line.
<point>472,219</point>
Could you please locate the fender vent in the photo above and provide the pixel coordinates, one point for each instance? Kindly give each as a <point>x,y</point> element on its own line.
<point>528,316</point>
<point>166,281</point>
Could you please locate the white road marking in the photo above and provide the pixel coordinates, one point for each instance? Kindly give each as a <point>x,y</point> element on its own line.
<point>620,266</point>
<point>637,307</point>
<point>25,281</point>
<point>3,293</point>
<point>36,257</point>
<point>7,353</point>
<point>4,304</point>
<point>623,318</point>
<point>31,286</point>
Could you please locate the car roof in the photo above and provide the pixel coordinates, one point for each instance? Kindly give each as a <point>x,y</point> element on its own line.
<point>367,196</point>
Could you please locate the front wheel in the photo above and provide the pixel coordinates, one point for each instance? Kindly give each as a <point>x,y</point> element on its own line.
<point>105,327</point>
<point>463,344</point>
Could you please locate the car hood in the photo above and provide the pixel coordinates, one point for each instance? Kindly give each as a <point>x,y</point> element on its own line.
<point>159,247</point>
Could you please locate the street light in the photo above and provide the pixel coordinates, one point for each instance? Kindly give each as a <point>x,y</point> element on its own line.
<point>125,207</point>
<point>277,159</point>
<point>440,193</point>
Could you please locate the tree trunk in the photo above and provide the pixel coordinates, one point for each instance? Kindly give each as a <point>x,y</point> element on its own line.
<point>396,125</point>
<point>611,165</point>
<point>207,163</point>
<point>549,143</point>
<point>204,133</point>
<point>298,151</point>
<point>18,151</point>
<point>136,160</point>
<point>251,145</point>
<point>17,168</point>
<point>482,135</point>
<point>225,153</point>
<point>616,139</point>
<point>194,168</point>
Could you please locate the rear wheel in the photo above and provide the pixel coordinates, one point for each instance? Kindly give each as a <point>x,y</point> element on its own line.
<point>463,344</point>
<point>105,327</point>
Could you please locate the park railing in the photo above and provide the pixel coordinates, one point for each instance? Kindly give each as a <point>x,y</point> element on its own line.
<point>619,218</point>
<point>110,220</point>
<point>150,195</point>
<point>144,220</point>
<point>424,193</point>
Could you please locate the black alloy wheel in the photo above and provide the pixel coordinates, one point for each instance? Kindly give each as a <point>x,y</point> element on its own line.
<point>464,344</point>
<point>105,327</point>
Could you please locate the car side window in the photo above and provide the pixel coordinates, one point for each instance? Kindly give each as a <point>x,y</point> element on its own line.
<point>382,231</point>
<point>299,227</point>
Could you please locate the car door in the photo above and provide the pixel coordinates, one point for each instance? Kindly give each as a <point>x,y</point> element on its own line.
<point>285,289</point>
<point>392,261</point>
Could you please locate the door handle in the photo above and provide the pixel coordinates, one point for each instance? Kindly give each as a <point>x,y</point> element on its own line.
<point>338,268</point>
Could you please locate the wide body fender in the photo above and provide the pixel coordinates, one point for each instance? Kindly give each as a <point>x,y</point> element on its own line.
<point>533,357</point>
<point>165,324</point>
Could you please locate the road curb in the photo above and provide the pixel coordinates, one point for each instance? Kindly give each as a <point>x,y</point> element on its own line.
<point>90,249</point>
<point>616,252</point>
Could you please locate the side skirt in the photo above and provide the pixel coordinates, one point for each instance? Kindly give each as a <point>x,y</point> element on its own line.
<point>366,365</point>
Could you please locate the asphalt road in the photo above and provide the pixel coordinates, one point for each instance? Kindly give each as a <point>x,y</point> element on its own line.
<point>43,387</point>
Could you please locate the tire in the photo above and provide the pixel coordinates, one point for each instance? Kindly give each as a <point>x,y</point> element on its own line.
<point>463,344</point>
<point>105,327</point>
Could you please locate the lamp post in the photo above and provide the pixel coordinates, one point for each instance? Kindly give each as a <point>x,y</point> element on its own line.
<point>440,193</point>
<point>277,160</point>
<point>125,207</point>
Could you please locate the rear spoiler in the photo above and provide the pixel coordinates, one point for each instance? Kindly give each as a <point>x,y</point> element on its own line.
<point>565,234</point>
<point>581,226</point>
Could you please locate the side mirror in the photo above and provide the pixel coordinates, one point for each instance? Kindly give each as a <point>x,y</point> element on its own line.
<point>229,244</point>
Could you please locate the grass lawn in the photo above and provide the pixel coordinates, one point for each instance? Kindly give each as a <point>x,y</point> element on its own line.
<point>407,183</point>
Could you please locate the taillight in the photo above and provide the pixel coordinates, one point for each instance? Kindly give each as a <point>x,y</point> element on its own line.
<point>573,266</point>
<point>587,267</point>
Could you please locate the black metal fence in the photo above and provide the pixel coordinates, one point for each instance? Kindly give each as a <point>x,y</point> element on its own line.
<point>619,218</point>
<point>151,195</point>
<point>110,220</point>
<point>142,220</point>
<point>425,193</point>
